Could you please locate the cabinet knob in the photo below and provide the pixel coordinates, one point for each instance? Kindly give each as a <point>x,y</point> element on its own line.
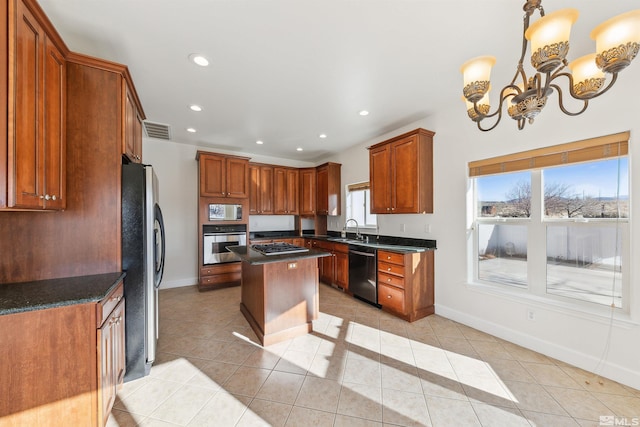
<point>388,209</point>
<point>388,280</point>
<point>388,296</point>
<point>389,269</point>
<point>54,197</point>
<point>47,197</point>
<point>388,257</point>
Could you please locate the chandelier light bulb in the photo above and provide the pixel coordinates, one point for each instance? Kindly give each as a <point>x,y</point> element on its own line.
<point>617,41</point>
<point>476,76</point>
<point>588,78</point>
<point>549,38</point>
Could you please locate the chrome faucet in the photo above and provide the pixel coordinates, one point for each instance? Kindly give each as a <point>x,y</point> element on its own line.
<point>358,236</point>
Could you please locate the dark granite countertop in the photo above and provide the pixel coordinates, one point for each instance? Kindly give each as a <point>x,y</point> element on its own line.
<point>51,293</point>
<point>390,243</point>
<point>256,258</point>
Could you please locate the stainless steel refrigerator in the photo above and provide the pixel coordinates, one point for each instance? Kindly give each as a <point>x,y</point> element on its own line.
<point>143,260</point>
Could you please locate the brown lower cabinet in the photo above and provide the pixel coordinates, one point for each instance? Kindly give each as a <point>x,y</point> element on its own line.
<point>405,284</point>
<point>220,276</point>
<point>62,365</point>
<point>334,270</point>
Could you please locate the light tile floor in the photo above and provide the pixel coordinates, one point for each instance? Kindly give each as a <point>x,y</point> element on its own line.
<point>360,367</point>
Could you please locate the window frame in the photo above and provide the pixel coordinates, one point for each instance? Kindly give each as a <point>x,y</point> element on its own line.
<point>360,186</point>
<point>537,225</point>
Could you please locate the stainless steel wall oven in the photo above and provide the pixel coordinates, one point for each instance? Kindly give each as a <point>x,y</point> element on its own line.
<point>215,240</point>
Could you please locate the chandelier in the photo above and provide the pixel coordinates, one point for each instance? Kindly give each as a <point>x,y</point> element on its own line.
<point>617,43</point>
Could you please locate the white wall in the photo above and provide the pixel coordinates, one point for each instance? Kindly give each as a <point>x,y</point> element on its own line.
<point>560,332</point>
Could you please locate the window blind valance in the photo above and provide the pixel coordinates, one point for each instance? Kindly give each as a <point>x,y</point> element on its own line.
<point>592,149</point>
<point>358,187</point>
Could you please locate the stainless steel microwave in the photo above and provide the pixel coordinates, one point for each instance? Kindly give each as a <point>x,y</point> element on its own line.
<point>223,212</point>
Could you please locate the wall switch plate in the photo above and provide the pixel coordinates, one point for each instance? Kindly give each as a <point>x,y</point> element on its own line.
<point>531,315</point>
<point>427,228</point>
<point>402,227</point>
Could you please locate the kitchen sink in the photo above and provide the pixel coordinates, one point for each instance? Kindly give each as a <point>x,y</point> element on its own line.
<point>343,240</point>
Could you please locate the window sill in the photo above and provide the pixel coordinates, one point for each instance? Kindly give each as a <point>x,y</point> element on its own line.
<point>599,314</point>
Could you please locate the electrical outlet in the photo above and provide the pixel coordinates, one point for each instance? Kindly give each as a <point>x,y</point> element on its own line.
<point>402,228</point>
<point>531,315</point>
<point>427,228</point>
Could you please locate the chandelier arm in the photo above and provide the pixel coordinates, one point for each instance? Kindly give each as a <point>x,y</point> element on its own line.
<point>561,105</point>
<point>499,112</point>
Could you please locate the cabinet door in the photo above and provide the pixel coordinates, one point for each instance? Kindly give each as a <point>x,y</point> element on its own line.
<point>280,191</point>
<point>285,191</point>
<point>119,340</point>
<point>266,190</point>
<point>107,385</point>
<point>25,170</point>
<point>212,176</point>
<point>132,127</point>
<point>237,178</point>
<point>326,266</point>
<point>308,191</point>
<point>111,360</point>
<point>292,191</point>
<point>128,139</point>
<point>404,176</point>
<point>254,189</point>
<point>322,197</point>
<point>380,179</point>
<point>342,269</point>
<point>54,128</point>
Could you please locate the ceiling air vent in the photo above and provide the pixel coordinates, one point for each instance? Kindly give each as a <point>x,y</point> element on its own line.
<point>157,130</point>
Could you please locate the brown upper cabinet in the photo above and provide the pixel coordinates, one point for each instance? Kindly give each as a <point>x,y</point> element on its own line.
<point>223,176</point>
<point>132,130</point>
<point>328,200</point>
<point>260,189</point>
<point>33,111</point>
<point>285,191</point>
<point>401,174</point>
<point>307,191</point>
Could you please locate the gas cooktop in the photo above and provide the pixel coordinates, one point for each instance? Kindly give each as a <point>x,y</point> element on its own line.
<point>279,248</point>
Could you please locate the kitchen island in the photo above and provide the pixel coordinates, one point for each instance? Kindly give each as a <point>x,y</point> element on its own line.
<point>279,293</point>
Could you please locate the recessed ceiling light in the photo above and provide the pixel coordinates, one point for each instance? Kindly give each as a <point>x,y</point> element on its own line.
<point>299,149</point>
<point>364,113</point>
<point>259,142</point>
<point>195,107</point>
<point>322,135</point>
<point>198,59</point>
<point>192,130</point>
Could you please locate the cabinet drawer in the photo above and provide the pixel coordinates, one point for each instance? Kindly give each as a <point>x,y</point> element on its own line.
<point>390,297</point>
<point>321,244</point>
<point>106,305</point>
<point>388,279</point>
<point>391,257</point>
<point>341,247</point>
<point>395,269</point>
<point>232,267</point>
<point>221,278</point>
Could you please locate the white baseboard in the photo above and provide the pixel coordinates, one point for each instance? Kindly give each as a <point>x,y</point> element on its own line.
<point>584,361</point>
<point>178,283</point>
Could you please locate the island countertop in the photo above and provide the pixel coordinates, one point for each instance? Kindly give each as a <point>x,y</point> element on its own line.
<point>256,258</point>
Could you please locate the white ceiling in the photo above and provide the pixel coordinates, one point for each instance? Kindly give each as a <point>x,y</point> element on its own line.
<point>285,71</point>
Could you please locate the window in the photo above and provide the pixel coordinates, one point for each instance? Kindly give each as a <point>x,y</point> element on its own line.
<point>553,222</point>
<point>359,205</point>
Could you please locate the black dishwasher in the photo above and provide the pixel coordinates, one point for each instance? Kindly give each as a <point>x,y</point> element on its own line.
<point>363,273</point>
